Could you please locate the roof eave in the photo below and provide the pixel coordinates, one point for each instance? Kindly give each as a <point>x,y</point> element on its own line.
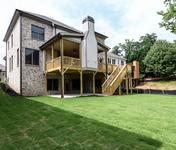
<point>57,36</point>
<point>12,23</point>
<point>101,35</point>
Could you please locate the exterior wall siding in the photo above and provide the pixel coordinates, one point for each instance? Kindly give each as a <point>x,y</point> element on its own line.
<point>33,79</point>
<point>13,77</point>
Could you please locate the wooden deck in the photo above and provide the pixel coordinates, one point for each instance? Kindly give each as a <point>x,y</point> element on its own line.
<point>75,64</point>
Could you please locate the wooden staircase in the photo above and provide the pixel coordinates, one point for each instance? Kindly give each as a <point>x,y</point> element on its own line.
<point>115,79</point>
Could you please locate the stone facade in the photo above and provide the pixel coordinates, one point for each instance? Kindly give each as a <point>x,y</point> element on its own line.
<point>13,75</point>
<point>33,79</point>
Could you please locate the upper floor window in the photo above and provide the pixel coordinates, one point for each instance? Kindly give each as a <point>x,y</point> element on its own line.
<point>11,63</point>
<point>113,61</point>
<point>11,40</point>
<point>109,60</point>
<point>37,33</point>
<point>31,56</point>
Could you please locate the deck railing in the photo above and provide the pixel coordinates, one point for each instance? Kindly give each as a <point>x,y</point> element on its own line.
<point>74,63</point>
<point>102,67</point>
<point>55,64</point>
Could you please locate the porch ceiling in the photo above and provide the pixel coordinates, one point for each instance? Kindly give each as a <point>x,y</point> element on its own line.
<point>57,37</point>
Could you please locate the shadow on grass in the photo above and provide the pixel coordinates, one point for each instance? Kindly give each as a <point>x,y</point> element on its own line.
<point>27,124</point>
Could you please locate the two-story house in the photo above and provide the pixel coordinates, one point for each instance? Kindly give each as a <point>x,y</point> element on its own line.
<point>45,56</point>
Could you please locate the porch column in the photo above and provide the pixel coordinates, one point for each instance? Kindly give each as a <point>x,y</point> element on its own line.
<point>52,54</point>
<point>94,83</point>
<point>81,83</point>
<point>62,68</point>
<point>130,84</point>
<point>106,64</point>
<point>46,84</point>
<point>120,90</point>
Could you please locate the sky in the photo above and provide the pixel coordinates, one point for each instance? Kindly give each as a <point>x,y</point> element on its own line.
<point>118,19</point>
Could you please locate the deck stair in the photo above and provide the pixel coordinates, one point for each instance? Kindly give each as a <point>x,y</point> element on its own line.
<point>115,79</point>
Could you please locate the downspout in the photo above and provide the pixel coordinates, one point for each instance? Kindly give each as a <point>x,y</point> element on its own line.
<point>21,54</point>
<point>6,63</point>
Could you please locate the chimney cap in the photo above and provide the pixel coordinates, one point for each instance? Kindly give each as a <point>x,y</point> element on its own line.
<point>88,18</point>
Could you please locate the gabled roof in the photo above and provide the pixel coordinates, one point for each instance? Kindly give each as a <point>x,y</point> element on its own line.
<point>59,35</point>
<point>103,45</point>
<point>43,19</point>
<point>38,17</point>
<point>2,67</point>
<point>101,35</point>
<point>109,54</point>
<point>115,56</point>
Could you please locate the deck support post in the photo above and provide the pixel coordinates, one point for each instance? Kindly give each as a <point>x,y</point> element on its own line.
<point>52,54</point>
<point>120,90</point>
<point>130,85</point>
<point>62,85</point>
<point>81,83</point>
<point>62,68</point>
<point>46,84</point>
<point>106,63</point>
<point>94,73</point>
<point>126,86</point>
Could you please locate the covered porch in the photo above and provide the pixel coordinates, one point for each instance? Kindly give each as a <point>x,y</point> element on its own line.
<point>63,69</point>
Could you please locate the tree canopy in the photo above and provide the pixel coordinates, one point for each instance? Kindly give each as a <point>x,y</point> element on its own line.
<point>161,59</point>
<point>116,50</point>
<point>169,16</point>
<point>137,50</point>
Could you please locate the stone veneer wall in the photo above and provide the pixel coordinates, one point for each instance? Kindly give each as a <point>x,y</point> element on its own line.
<point>33,79</point>
<point>13,77</point>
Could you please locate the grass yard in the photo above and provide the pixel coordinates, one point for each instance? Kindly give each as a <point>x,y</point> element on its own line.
<point>143,122</point>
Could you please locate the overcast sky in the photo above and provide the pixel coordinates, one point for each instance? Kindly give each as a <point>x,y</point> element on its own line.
<point>118,19</point>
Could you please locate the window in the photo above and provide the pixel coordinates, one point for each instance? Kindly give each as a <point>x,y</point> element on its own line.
<point>31,57</point>
<point>113,61</point>
<point>11,40</point>
<point>100,60</point>
<point>109,61</point>
<point>122,63</point>
<point>11,64</point>
<point>18,57</point>
<point>52,84</point>
<point>37,33</point>
<point>35,57</point>
<point>75,84</point>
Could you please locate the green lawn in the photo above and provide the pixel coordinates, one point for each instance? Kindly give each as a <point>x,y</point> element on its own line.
<point>97,123</point>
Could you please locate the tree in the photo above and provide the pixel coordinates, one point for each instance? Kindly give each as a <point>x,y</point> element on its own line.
<point>161,59</point>
<point>169,16</point>
<point>116,50</point>
<point>137,50</point>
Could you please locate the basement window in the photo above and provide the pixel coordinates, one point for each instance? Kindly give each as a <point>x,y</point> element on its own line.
<point>52,84</point>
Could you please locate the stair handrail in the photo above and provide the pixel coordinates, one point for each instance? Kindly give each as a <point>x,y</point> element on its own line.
<point>112,74</point>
